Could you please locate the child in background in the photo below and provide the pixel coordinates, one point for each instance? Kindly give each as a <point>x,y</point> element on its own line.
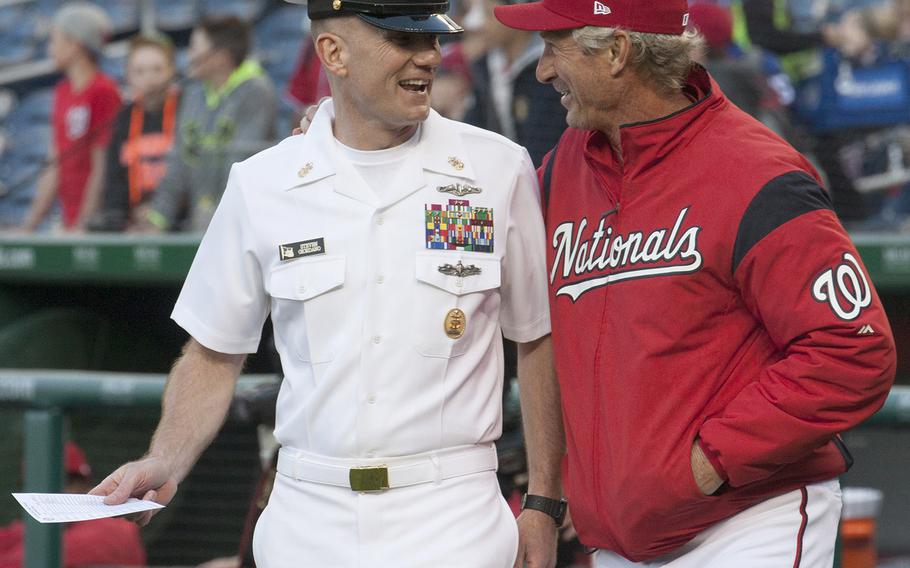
<point>85,103</point>
<point>143,133</point>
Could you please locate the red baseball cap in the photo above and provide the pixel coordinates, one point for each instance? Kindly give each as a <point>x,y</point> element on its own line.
<point>74,461</point>
<point>714,22</point>
<point>647,16</point>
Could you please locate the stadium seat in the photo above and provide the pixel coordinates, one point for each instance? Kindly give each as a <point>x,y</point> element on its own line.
<point>31,143</point>
<point>33,108</point>
<point>175,14</point>
<point>182,61</point>
<point>9,16</point>
<point>18,178</point>
<point>248,10</point>
<point>124,14</point>
<point>283,23</point>
<point>14,50</point>
<point>280,57</point>
<point>8,103</point>
<point>114,66</point>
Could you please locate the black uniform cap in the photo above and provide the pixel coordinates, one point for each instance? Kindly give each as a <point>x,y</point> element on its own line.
<point>398,15</point>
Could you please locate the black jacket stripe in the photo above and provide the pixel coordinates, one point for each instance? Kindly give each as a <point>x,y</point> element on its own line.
<point>547,177</point>
<point>782,199</point>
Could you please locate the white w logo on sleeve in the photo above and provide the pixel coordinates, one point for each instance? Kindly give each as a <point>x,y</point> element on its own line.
<point>845,288</point>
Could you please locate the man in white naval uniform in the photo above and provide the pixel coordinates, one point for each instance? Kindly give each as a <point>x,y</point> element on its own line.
<point>393,249</point>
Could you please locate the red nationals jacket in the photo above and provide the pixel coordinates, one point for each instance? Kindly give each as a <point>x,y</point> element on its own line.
<point>702,287</point>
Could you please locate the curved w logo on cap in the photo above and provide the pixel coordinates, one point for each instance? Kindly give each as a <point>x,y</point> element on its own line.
<point>601,9</point>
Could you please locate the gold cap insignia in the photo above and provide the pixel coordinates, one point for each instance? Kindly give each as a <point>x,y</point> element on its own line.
<point>336,5</point>
<point>456,163</point>
<point>455,323</point>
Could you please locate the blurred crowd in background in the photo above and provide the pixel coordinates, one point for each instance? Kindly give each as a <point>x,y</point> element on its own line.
<point>127,115</point>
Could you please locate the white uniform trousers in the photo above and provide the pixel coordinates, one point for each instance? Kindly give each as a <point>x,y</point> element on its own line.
<point>794,530</point>
<point>462,522</point>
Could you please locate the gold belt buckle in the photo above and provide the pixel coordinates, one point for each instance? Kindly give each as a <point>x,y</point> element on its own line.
<point>369,478</point>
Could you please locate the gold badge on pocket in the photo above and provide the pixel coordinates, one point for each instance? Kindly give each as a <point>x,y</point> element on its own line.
<point>455,323</point>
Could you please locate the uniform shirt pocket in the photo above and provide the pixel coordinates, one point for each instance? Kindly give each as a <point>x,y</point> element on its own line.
<point>439,294</point>
<point>308,295</point>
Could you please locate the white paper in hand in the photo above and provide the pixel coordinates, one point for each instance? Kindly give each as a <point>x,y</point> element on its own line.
<point>67,507</point>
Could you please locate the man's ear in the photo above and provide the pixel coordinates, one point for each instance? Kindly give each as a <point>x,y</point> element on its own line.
<point>331,49</point>
<point>619,53</point>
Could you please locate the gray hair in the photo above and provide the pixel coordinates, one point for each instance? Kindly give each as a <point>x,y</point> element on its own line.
<point>663,59</point>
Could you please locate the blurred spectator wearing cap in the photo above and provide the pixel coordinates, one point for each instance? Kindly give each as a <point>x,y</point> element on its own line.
<point>85,104</point>
<point>752,80</point>
<point>143,133</point>
<point>226,115</point>
<point>452,88</point>
<point>776,26</point>
<point>735,77</point>
<point>103,542</point>
<point>308,84</point>
<point>508,99</point>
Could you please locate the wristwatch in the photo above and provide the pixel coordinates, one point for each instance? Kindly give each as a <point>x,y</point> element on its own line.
<point>553,507</point>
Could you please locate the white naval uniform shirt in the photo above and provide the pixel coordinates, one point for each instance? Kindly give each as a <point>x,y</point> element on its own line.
<point>359,317</point>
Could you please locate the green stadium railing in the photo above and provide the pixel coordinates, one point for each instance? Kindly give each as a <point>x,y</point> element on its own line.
<point>887,257</point>
<point>108,259</point>
<point>165,259</point>
<point>45,396</point>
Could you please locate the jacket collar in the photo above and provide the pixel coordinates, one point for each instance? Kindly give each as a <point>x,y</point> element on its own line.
<point>441,149</point>
<point>645,144</point>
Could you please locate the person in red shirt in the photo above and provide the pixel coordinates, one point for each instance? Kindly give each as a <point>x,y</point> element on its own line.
<point>85,104</point>
<point>714,328</point>
<point>102,542</point>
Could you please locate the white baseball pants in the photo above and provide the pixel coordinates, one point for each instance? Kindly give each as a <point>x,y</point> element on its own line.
<point>462,522</point>
<point>794,530</point>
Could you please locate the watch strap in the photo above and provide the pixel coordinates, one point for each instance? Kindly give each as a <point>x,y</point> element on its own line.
<point>556,508</point>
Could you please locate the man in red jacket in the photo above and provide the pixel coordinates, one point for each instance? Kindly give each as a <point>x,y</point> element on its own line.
<point>714,327</point>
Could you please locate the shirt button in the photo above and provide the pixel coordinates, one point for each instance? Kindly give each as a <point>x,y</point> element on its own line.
<point>377,340</point>
<point>459,283</point>
<point>380,279</point>
<point>371,399</point>
<point>380,220</point>
<point>371,454</point>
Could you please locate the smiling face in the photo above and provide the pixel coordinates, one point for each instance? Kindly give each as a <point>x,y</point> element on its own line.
<point>589,92</point>
<point>381,77</point>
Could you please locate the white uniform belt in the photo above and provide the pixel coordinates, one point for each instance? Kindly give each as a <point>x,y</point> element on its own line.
<point>377,474</point>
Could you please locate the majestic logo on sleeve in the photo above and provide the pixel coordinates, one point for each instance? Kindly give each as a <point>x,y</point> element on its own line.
<point>663,252</point>
<point>845,288</point>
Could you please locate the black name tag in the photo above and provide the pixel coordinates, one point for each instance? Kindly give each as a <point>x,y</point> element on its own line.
<point>291,251</point>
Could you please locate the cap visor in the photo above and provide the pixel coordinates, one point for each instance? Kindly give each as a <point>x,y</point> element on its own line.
<point>533,17</point>
<point>434,24</point>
